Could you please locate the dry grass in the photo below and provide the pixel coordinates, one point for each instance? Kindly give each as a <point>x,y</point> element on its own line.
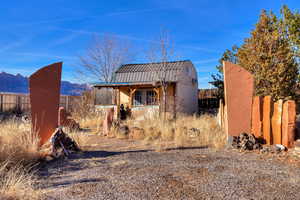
<point>186,131</point>
<point>17,182</point>
<point>93,120</point>
<point>81,139</point>
<point>17,143</point>
<point>85,114</point>
<point>18,152</point>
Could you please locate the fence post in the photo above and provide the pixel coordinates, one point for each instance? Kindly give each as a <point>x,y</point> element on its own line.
<point>1,98</point>
<point>67,103</point>
<point>18,103</point>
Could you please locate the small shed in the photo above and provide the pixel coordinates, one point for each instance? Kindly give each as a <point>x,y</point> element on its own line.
<point>139,87</point>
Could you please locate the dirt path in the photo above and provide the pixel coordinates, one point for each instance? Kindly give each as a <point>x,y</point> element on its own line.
<point>119,169</point>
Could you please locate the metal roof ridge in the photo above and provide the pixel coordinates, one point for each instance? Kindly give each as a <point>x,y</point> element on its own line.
<point>177,61</point>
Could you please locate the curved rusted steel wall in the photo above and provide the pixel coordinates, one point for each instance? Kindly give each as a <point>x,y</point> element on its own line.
<point>44,87</point>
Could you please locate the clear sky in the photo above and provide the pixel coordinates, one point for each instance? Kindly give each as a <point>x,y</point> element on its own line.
<point>35,33</point>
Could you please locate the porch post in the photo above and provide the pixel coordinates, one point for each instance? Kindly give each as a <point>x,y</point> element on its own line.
<point>118,103</point>
<point>131,92</point>
<point>156,90</point>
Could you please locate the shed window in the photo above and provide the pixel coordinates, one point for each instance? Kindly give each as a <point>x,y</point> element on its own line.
<point>137,98</point>
<point>144,97</point>
<point>151,97</point>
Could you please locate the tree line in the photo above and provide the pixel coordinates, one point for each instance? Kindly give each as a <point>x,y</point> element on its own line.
<point>271,54</point>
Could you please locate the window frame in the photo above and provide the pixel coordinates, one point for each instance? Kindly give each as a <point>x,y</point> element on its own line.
<point>148,97</point>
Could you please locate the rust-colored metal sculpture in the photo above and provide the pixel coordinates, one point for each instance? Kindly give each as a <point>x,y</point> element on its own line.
<point>288,123</point>
<point>257,116</point>
<point>277,122</point>
<point>44,87</point>
<point>239,86</point>
<point>267,106</point>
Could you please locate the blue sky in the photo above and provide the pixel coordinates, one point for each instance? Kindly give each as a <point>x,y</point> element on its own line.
<point>36,33</point>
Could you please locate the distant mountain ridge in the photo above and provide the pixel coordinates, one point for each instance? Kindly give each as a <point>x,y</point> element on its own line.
<point>19,84</point>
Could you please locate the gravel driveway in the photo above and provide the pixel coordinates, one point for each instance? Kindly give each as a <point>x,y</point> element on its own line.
<point>120,169</point>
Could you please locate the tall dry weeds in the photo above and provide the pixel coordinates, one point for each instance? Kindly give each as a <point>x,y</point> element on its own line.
<point>17,182</point>
<point>185,131</point>
<point>19,151</point>
<point>85,114</point>
<point>17,143</point>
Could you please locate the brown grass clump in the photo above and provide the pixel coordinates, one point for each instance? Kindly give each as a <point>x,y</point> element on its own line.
<point>17,143</point>
<point>210,133</point>
<point>18,151</point>
<point>17,182</point>
<point>85,114</point>
<point>93,120</point>
<point>81,138</point>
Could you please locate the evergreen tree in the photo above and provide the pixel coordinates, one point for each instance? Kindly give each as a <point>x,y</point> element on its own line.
<point>218,79</point>
<point>267,54</point>
<point>290,24</point>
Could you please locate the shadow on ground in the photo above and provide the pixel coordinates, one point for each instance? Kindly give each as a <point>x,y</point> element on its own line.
<point>80,181</point>
<point>101,154</point>
<point>187,148</point>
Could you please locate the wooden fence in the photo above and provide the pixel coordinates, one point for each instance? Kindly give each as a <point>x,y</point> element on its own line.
<point>207,99</point>
<point>21,102</point>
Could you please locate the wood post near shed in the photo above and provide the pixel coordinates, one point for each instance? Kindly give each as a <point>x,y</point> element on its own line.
<point>156,90</point>
<point>118,103</point>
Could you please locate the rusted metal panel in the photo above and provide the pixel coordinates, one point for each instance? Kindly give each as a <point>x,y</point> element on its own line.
<point>277,122</point>
<point>288,123</point>
<point>239,86</point>
<point>257,116</point>
<point>267,106</point>
<point>44,87</point>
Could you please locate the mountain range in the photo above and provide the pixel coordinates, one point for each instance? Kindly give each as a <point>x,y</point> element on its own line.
<point>19,84</point>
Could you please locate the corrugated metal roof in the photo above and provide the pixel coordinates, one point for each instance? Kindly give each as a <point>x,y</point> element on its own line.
<point>147,72</point>
<point>118,84</point>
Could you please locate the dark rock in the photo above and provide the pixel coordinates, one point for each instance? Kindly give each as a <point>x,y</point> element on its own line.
<point>245,142</point>
<point>123,130</point>
<point>193,132</point>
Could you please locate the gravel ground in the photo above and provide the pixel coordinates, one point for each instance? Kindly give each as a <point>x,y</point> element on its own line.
<point>120,169</point>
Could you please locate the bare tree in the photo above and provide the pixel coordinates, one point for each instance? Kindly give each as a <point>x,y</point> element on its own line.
<point>162,51</point>
<point>103,57</point>
<point>101,60</point>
